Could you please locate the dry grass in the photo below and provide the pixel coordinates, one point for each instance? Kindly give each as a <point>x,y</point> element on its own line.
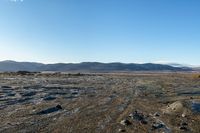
<point>101,101</point>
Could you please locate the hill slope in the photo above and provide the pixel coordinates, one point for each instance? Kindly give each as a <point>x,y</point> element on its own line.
<point>86,66</point>
<point>17,66</point>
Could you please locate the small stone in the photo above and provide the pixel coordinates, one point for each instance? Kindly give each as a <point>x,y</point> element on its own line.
<point>131,115</point>
<point>157,114</point>
<point>157,125</point>
<point>183,115</point>
<point>184,128</point>
<point>125,122</point>
<point>59,106</point>
<point>138,116</point>
<point>122,130</point>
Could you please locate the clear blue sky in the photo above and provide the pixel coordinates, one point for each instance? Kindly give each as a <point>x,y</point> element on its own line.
<point>100,30</point>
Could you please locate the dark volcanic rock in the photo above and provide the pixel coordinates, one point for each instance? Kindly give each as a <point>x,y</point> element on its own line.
<point>139,116</point>
<point>184,126</point>
<point>158,125</point>
<point>50,110</point>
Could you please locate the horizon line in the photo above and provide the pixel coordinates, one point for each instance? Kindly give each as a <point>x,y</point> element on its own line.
<point>154,62</point>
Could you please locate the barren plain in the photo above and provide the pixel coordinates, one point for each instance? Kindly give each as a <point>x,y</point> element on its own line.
<point>137,102</point>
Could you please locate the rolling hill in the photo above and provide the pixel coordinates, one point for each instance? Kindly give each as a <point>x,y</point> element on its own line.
<point>86,66</point>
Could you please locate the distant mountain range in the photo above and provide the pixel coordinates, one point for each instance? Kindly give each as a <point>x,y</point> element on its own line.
<point>87,67</point>
<point>196,68</point>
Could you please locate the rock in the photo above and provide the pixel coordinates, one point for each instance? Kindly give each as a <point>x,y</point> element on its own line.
<point>125,122</point>
<point>184,128</point>
<point>157,114</point>
<point>122,130</point>
<point>139,116</point>
<point>50,110</point>
<point>131,115</point>
<point>157,125</point>
<point>175,107</point>
<point>59,106</point>
<point>183,115</point>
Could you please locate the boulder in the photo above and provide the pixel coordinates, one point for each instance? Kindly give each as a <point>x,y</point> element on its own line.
<point>176,107</point>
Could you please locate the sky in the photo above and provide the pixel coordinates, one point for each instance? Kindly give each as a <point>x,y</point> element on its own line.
<point>129,31</point>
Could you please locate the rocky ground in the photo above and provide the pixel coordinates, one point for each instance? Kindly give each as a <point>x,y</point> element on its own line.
<point>100,103</point>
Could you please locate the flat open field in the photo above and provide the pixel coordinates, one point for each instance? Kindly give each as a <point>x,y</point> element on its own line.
<point>100,103</point>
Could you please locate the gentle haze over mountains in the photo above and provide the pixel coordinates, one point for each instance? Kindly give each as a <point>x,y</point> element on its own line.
<point>51,31</point>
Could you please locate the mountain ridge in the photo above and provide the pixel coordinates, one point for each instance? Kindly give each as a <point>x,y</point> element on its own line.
<point>13,66</point>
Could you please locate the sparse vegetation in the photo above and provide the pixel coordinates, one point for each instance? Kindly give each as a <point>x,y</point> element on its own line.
<point>75,74</point>
<point>110,103</point>
<point>23,72</point>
